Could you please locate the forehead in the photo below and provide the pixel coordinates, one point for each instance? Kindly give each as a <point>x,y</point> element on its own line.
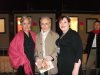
<point>45,20</point>
<point>63,19</point>
<point>97,23</point>
<point>26,20</point>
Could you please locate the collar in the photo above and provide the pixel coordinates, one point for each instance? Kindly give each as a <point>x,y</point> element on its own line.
<point>45,33</point>
<point>96,31</point>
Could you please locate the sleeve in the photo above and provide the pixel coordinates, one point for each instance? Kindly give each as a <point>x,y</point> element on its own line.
<point>78,47</point>
<point>36,50</point>
<point>89,44</point>
<point>14,54</point>
<point>36,54</point>
<point>54,53</point>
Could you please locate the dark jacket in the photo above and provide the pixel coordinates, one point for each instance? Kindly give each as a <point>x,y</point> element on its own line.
<point>70,52</point>
<point>89,46</point>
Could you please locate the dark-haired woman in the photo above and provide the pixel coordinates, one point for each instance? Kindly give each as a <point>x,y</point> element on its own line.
<point>69,49</point>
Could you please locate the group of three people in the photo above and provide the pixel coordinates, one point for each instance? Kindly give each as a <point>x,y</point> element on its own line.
<point>64,51</point>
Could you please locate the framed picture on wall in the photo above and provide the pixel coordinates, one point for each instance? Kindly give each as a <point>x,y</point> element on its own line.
<point>89,24</point>
<point>2,25</point>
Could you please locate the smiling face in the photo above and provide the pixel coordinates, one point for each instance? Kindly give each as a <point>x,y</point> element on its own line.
<point>45,24</point>
<point>64,24</point>
<point>26,23</point>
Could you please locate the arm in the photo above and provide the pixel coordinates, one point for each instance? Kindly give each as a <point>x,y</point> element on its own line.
<point>14,54</point>
<point>77,44</point>
<point>89,43</point>
<point>53,55</point>
<point>76,68</point>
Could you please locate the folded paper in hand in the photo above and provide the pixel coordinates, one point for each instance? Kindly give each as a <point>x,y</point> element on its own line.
<point>46,65</point>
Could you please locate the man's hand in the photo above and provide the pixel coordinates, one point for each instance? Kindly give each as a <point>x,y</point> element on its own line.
<point>48,58</point>
<point>39,62</point>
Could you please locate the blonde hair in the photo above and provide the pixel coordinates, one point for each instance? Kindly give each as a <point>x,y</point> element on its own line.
<point>24,18</point>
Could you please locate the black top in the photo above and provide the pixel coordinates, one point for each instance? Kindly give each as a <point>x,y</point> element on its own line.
<point>89,42</point>
<point>29,46</point>
<point>70,52</point>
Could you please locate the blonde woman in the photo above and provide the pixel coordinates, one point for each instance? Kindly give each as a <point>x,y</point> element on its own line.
<point>21,49</point>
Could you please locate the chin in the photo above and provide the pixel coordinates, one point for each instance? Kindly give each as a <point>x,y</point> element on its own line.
<point>44,30</point>
<point>27,30</point>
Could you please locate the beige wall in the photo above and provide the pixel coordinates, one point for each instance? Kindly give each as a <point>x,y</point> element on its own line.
<point>4,37</point>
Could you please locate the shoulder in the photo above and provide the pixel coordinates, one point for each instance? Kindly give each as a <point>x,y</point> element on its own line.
<point>54,34</point>
<point>19,34</point>
<point>73,32</point>
<point>91,34</point>
<point>18,37</point>
<point>32,33</point>
<point>38,35</point>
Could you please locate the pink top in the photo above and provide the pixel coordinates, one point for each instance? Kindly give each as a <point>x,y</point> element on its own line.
<point>16,52</point>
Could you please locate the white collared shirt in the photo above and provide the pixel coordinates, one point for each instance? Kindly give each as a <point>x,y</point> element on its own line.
<point>94,42</point>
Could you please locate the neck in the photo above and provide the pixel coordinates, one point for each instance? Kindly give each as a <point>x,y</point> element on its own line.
<point>65,31</point>
<point>27,33</point>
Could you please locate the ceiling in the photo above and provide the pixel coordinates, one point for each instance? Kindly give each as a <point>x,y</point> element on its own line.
<point>59,5</point>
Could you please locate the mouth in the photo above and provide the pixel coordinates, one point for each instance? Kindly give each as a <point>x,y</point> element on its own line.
<point>62,26</point>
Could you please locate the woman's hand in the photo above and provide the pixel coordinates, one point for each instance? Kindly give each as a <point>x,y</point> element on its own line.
<point>76,68</point>
<point>75,72</point>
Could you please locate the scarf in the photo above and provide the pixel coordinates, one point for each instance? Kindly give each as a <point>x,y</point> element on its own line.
<point>96,31</point>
